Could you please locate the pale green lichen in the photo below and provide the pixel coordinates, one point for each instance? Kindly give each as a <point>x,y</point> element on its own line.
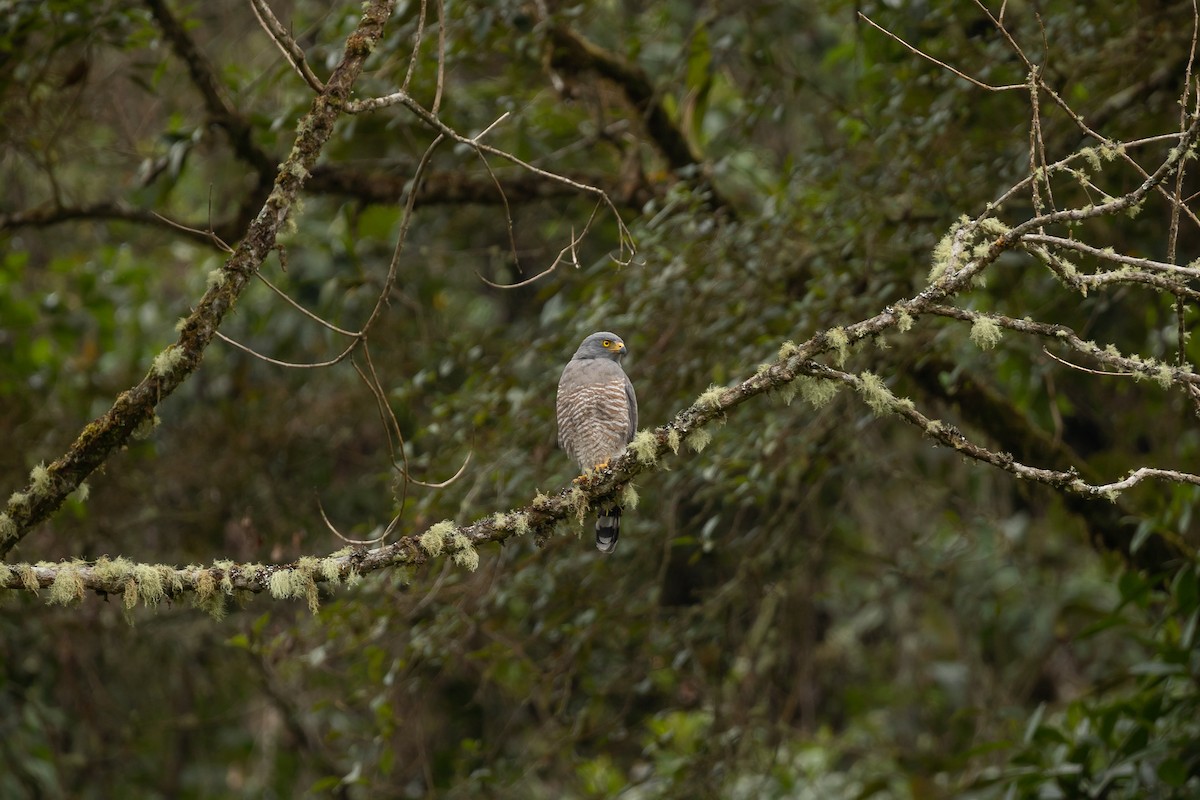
<point>433,541</point>
<point>817,392</point>
<point>149,582</point>
<point>29,578</point>
<point>216,278</point>
<point>935,428</point>
<point>67,587</point>
<point>520,521</point>
<point>985,333</point>
<point>180,324</point>
<point>18,499</point>
<point>166,361</point>
<point>83,492</point>
<point>787,391</point>
<point>146,427</point>
<point>304,584</point>
<point>112,571</point>
<point>875,393</point>
<point>280,584</point>
<point>698,439</point>
<point>645,447</point>
<point>40,480</point>
<point>629,497</point>
<point>7,575</point>
<point>467,557</point>
<point>673,440</point>
<point>840,342</point>
<point>904,321</point>
<point>1164,376</point>
<point>206,587</point>
<point>993,227</point>
<point>331,570</point>
<point>465,554</point>
<point>8,528</point>
<point>787,350</point>
<point>577,499</point>
<point>710,398</point>
<point>540,501</point>
<point>946,254</point>
<point>501,521</point>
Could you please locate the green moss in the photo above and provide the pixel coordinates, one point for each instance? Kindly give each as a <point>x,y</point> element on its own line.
<point>645,447</point>
<point>985,333</point>
<point>67,588</point>
<point>433,541</point>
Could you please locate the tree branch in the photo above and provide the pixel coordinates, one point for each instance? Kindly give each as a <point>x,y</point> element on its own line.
<point>50,485</point>
<point>47,216</point>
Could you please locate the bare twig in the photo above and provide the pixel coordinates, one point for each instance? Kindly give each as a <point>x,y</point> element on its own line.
<point>286,44</point>
<point>942,64</point>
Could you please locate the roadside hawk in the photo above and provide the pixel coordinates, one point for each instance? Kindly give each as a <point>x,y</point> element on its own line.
<point>597,415</point>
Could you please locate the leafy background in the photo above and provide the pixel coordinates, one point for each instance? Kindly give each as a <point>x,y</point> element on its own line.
<point>819,604</point>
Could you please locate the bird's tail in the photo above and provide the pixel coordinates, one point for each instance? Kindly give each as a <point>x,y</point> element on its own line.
<point>608,529</point>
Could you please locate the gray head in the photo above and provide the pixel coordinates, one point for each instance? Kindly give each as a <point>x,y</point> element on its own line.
<point>603,344</point>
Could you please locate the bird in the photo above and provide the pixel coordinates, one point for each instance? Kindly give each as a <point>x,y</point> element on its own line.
<point>597,416</point>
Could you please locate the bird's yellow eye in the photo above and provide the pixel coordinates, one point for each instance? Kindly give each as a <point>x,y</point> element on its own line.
<point>607,343</point>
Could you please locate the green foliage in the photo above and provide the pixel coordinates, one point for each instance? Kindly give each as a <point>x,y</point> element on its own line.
<point>820,605</point>
<point>1137,740</point>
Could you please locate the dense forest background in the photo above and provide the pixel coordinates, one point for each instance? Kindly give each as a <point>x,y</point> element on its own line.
<point>917,274</point>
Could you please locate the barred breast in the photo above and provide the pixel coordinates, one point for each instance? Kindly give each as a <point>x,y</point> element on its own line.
<point>593,412</point>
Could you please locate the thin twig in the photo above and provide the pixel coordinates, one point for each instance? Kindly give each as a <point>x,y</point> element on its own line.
<point>942,64</point>
<point>286,44</point>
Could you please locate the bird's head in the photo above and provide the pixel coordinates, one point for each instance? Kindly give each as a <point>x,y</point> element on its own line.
<point>602,345</point>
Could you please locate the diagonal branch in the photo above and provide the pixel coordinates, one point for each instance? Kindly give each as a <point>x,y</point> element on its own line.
<point>50,485</point>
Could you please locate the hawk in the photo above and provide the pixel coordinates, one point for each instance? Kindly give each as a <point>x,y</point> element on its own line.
<point>597,415</point>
